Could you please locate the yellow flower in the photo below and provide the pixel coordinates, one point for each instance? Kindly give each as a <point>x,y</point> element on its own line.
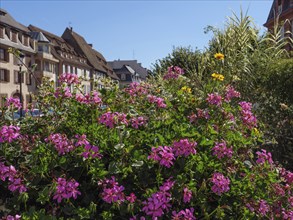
<point>186,89</point>
<point>256,131</point>
<point>219,56</point>
<point>108,109</point>
<point>218,76</point>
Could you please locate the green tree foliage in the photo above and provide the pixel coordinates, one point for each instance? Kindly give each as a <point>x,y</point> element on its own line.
<point>276,109</point>
<point>185,57</point>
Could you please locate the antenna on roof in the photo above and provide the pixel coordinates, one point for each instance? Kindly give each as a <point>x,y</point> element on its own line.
<point>133,55</point>
<point>69,25</point>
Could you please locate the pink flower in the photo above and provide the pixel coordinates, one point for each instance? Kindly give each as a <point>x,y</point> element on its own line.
<point>112,192</point>
<point>187,195</point>
<point>89,99</point>
<point>278,188</point>
<point>63,93</point>
<point>286,175</point>
<point>67,93</point>
<point>81,140</point>
<point>184,148</point>
<point>231,93</point>
<point>9,133</point>
<point>186,214</point>
<point>173,73</point>
<point>287,215</point>
<point>158,203</point>
<point>10,217</point>
<point>137,89</point>
<point>221,183</point>
<point>110,119</point>
<point>248,119</point>
<point>138,122</point>
<point>263,207</point>
<point>221,150</point>
<point>164,155</point>
<point>66,189</point>
<point>91,152</point>
<point>61,143</point>
<point>263,156</point>
<point>9,173</point>
<point>160,102</point>
<point>14,102</point>
<point>16,184</point>
<point>131,198</point>
<point>201,113</point>
<point>69,78</point>
<point>214,99</point>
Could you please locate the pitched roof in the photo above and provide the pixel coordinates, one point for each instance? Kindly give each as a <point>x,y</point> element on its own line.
<point>39,36</point>
<point>6,18</point>
<point>96,59</point>
<point>287,7</point>
<point>60,45</point>
<point>117,64</point>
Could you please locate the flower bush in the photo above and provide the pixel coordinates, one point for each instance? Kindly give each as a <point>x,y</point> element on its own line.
<point>149,151</point>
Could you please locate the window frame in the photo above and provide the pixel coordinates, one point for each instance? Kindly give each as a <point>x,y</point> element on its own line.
<point>4,75</point>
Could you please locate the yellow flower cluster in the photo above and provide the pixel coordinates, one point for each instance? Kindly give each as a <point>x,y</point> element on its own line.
<point>218,76</point>
<point>186,89</point>
<point>256,131</point>
<point>219,56</point>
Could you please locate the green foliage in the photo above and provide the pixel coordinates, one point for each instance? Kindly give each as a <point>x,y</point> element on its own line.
<point>192,107</point>
<point>184,57</point>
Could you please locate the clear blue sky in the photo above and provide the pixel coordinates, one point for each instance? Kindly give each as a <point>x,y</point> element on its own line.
<point>144,30</point>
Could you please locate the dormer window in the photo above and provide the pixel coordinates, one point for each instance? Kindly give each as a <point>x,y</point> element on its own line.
<point>43,48</point>
<point>25,41</point>
<point>1,32</point>
<point>7,32</point>
<point>14,36</point>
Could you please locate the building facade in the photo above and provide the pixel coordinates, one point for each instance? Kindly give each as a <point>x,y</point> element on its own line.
<point>281,11</point>
<point>128,71</point>
<point>69,60</point>
<point>100,68</point>
<point>15,35</point>
<point>54,55</point>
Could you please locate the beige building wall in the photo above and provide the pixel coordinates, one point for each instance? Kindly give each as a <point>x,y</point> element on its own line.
<point>9,68</point>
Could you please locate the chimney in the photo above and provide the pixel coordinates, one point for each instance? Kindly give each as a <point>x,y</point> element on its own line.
<point>71,29</point>
<point>91,45</point>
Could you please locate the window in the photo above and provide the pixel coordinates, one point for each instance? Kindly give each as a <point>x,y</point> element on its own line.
<point>3,99</point>
<point>16,77</point>
<point>28,78</point>
<point>1,32</point>
<point>47,67</point>
<point>14,36</point>
<point>20,37</point>
<point>4,75</point>
<point>7,31</point>
<point>25,41</point>
<point>15,60</point>
<point>4,55</point>
<point>43,48</point>
<point>123,77</point>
